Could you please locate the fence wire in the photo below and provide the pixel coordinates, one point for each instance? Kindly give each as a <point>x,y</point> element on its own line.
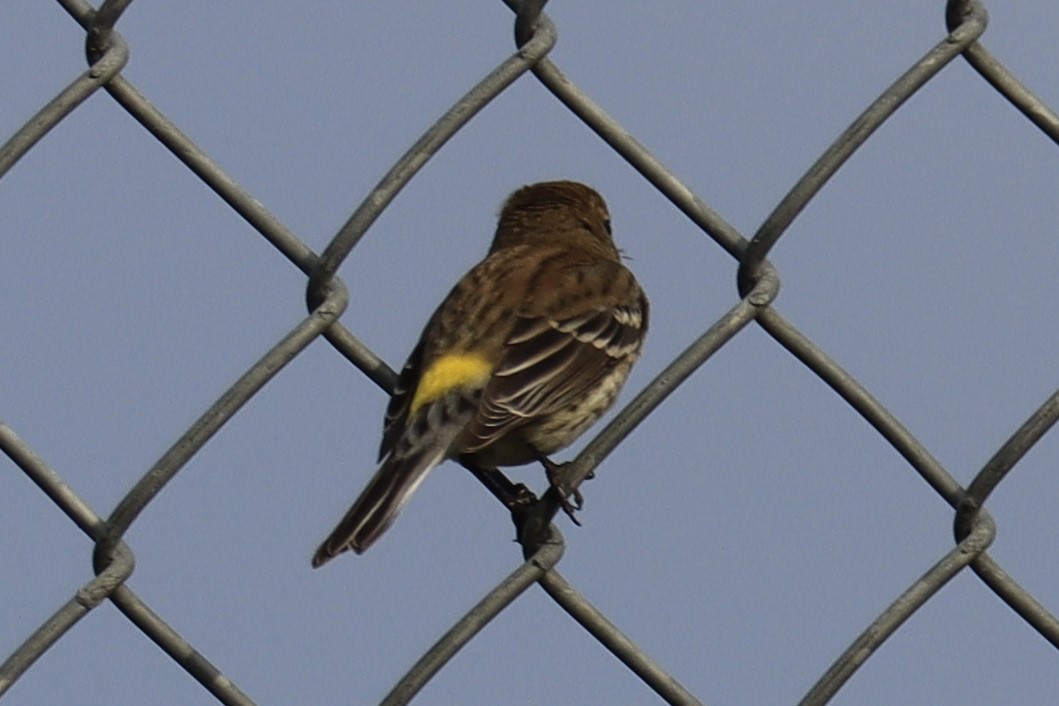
<point>327,299</point>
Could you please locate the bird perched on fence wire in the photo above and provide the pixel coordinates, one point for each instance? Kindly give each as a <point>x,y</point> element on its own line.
<point>526,352</point>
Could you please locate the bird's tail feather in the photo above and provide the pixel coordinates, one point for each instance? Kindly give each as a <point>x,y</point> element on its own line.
<point>423,444</point>
<point>377,507</point>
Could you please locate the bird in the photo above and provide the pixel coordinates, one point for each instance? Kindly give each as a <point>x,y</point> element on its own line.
<point>525,353</point>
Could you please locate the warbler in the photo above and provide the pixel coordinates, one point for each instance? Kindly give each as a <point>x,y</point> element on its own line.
<point>526,352</point>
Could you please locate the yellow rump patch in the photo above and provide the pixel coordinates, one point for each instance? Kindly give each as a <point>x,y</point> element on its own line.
<point>450,372</point>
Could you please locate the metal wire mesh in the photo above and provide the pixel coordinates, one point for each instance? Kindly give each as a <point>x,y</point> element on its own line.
<point>327,299</point>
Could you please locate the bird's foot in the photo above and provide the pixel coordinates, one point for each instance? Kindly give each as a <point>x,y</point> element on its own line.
<point>521,497</point>
<point>554,472</point>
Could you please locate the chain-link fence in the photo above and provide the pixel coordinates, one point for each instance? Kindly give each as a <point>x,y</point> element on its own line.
<point>328,300</point>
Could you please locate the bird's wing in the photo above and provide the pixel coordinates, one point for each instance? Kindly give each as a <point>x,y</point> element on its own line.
<point>550,364</point>
<point>400,401</point>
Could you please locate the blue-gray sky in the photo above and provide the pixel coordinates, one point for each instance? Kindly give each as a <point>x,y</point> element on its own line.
<point>743,535</point>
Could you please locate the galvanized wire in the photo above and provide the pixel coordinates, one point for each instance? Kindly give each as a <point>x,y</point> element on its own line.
<point>758,283</point>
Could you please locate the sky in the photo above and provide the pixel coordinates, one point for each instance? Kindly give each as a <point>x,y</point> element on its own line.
<point>744,534</point>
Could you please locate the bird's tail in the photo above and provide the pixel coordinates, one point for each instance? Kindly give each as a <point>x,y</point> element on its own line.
<point>377,507</point>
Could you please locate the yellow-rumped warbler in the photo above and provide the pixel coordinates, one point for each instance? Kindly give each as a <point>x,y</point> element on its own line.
<point>524,354</point>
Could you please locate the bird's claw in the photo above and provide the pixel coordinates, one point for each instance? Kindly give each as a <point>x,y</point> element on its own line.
<point>571,507</point>
<point>554,473</point>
